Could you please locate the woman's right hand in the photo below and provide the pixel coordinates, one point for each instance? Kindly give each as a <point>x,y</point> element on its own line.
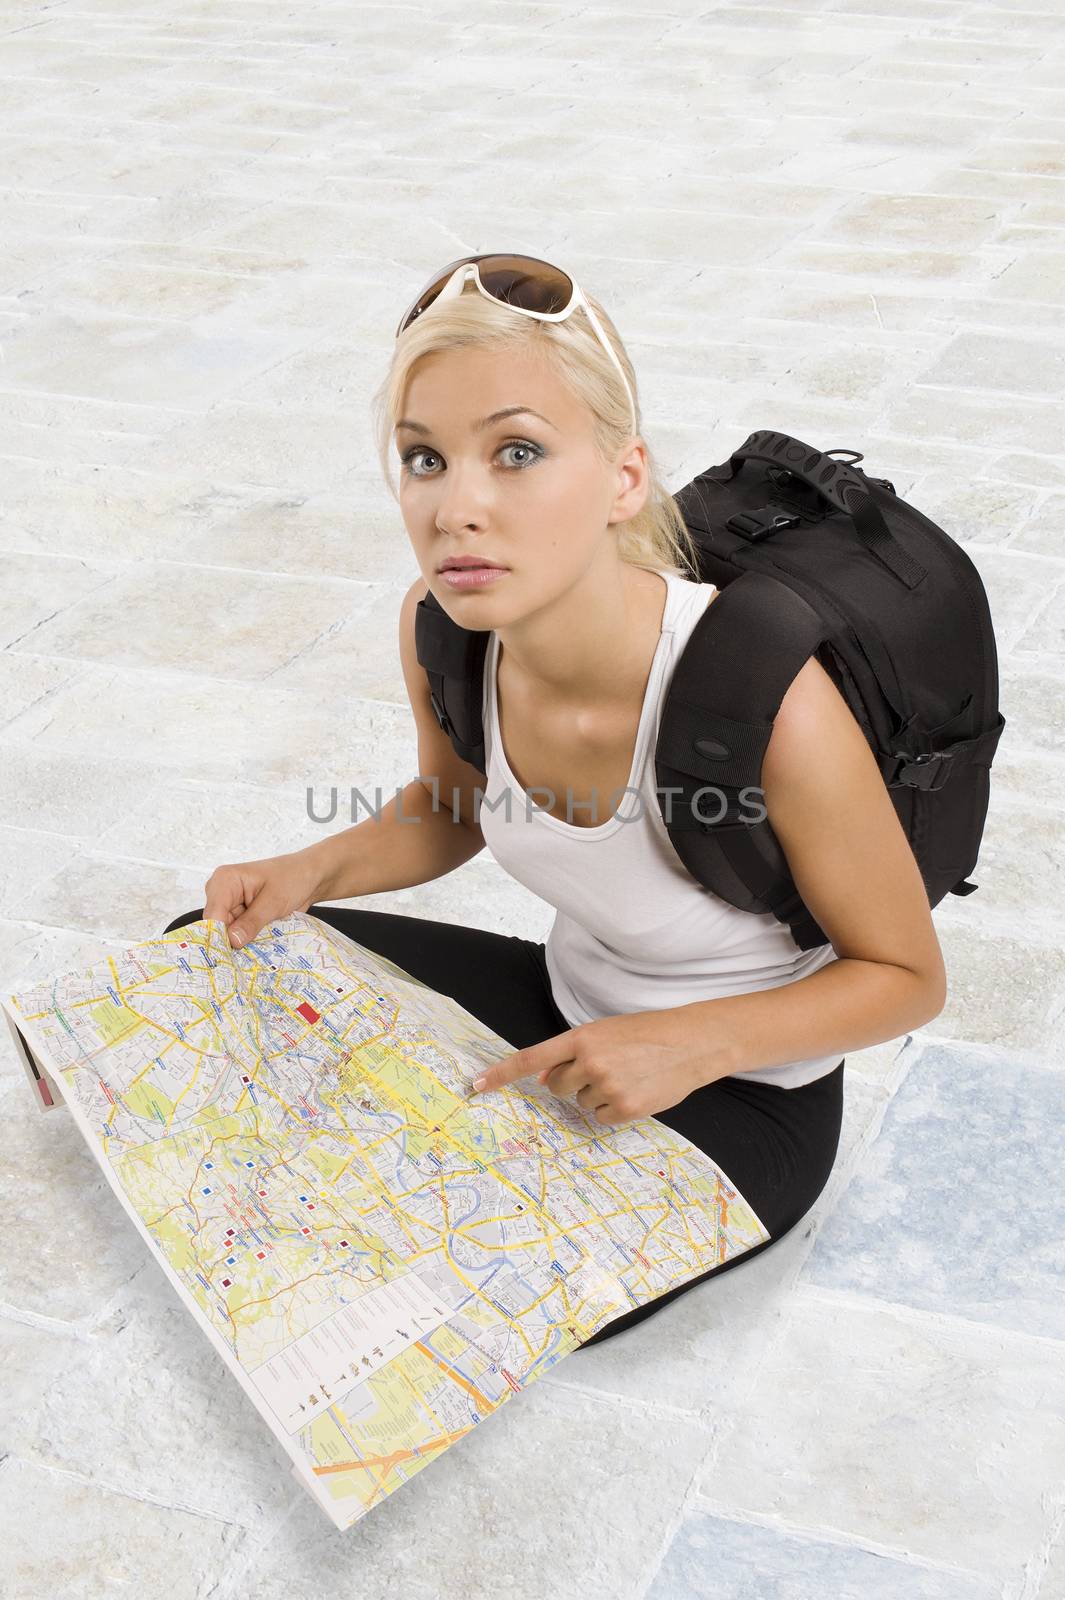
<point>246,895</point>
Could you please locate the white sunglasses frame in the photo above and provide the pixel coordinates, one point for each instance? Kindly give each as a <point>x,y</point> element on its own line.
<point>457,282</point>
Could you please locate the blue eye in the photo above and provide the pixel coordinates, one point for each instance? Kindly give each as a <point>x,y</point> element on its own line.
<point>535,452</point>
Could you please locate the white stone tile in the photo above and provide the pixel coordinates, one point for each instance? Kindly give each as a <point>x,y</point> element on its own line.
<point>142,1404</point>
<point>84,1539</point>
<point>1020,588</point>
<point>845,225</point>
<point>116,899</point>
<point>79,797</point>
<point>360,649</point>
<point>208,729</point>
<point>31,953</point>
<point>556,1492</point>
<point>1002,989</point>
<point>139,313</point>
<point>70,1246</point>
<point>926,1438</point>
<point>36,588</point>
<point>238,625</point>
<point>179,820</point>
<point>25,679</point>
<point>29,859</point>
<point>1012,365</point>
<point>1043,531</point>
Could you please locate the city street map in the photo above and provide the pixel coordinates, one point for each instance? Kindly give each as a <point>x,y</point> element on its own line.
<point>380,1259</point>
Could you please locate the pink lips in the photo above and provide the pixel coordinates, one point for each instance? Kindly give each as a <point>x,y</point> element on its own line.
<point>472,577</point>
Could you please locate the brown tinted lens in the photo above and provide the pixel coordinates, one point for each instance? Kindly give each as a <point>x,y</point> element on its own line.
<point>526,282</point>
<point>521,281</point>
<point>429,293</point>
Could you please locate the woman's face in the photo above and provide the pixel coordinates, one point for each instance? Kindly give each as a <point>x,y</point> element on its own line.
<point>530,494</point>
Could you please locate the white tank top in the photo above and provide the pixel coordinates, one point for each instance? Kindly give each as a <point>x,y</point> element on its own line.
<point>633,930</point>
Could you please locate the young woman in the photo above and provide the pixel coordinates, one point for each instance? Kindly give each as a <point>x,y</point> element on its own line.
<point>512,403</point>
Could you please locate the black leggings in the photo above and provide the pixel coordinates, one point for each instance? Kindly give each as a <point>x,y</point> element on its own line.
<point>775,1145</point>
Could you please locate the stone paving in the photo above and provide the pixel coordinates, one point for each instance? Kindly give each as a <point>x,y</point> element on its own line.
<point>844,221</point>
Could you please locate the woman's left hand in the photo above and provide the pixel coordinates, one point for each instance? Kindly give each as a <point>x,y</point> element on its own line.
<point>618,1068</point>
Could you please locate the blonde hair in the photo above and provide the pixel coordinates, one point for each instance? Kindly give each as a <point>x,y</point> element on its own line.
<point>657,536</point>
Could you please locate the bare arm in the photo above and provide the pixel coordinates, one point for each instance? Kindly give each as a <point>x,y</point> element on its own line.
<point>852,864</point>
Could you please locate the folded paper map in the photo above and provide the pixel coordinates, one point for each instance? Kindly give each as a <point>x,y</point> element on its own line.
<point>380,1259</point>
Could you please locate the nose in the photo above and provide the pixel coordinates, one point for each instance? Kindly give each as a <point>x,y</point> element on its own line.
<point>463,501</point>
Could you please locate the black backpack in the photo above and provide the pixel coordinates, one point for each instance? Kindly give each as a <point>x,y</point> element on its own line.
<point>812,557</point>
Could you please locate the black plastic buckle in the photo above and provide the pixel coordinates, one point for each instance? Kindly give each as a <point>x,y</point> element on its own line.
<point>755,525</point>
<point>926,771</point>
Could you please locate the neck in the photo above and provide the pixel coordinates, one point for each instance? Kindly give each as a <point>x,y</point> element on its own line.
<point>591,643</point>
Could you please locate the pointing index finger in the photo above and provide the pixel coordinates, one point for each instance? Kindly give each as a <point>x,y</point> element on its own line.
<point>505,1070</point>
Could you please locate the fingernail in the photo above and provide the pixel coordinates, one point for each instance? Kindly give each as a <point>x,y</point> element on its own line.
<point>479,1083</point>
<point>236,938</point>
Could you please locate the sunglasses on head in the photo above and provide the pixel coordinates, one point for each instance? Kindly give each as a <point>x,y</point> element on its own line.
<point>524,284</point>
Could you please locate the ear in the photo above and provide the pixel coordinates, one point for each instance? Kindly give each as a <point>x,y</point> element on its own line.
<point>634,482</point>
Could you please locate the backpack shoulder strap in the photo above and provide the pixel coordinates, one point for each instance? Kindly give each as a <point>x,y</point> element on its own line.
<point>453,658</point>
<point>717,720</point>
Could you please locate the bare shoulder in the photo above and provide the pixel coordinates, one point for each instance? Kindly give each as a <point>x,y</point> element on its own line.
<point>832,814</point>
<point>815,731</point>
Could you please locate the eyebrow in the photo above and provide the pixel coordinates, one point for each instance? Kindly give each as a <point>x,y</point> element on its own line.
<point>485,422</point>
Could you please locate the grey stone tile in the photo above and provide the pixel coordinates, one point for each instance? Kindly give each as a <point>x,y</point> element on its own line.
<point>702,1352</point>
<point>954,1208</point>
<point>720,1559</point>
